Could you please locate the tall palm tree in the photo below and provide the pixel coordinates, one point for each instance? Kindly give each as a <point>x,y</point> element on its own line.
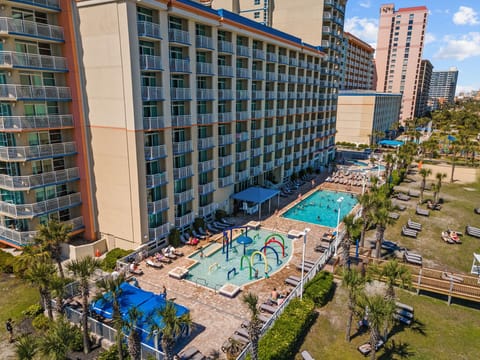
<point>51,236</point>
<point>255,326</point>
<point>112,290</point>
<point>379,213</point>
<point>134,338</point>
<point>389,161</point>
<point>58,341</point>
<point>354,282</point>
<point>30,253</point>
<point>173,327</point>
<point>40,274</point>
<point>454,150</point>
<point>82,270</point>
<point>379,313</point>
<point>439,177</point>
<point>26,347</point>
<point>366,201</point>
<point>424,173</point>
<point>57,286</point>
<point>393,272</point>
<point>352,231</point>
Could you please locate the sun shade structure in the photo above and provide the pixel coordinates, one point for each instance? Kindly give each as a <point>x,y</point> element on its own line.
<point>257,195</point>
<point>392,143</point>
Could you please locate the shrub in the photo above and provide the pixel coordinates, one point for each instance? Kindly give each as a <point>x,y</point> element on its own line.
<point>6,262</point>
<point>283,340</point>
<point>174,237</point>
<point>77,338</point>
<point>198,223</point>
<point>41,322</point>
<point>112,353</point>
<point>220,214</point>
<point>319,289</point>
<point>110,261</point>
<point>33,310</point>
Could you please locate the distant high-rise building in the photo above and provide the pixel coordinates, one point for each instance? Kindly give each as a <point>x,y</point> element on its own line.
<point>424,78</point>
<point>442,88</point>
<point>358,69</point>
<point>399,50</point>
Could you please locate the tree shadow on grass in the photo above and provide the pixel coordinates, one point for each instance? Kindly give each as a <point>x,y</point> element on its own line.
<point>400,350</point>
<point>417,326</point>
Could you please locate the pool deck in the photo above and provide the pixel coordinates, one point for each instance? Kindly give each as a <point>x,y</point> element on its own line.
<point>215,316</point>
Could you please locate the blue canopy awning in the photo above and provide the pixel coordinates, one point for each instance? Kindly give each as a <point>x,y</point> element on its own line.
<point>257,195</point>
<point>392,143</point>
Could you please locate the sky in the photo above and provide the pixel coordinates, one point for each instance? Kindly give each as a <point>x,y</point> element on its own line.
<point>452,38</point>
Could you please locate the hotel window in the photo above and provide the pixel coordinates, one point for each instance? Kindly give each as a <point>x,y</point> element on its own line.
<point>178,108</point>
<point>146,48</point>
<point>202,107</point>
<point>175,23</point>
<point>144,14</point>
<point>200,29</point>
<point>176,52</point>
<point>256,2</point>
<point>256,14</point>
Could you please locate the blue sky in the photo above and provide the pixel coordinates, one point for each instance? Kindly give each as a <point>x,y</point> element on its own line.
<point>453,33</point>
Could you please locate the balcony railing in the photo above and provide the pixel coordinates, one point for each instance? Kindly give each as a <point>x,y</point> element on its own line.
<point>256,170</point>
<point>282,77</point>
<point>205,166</point>
<point>225,70</point>
<point>182,147</point>
<point>23,153</point>
<point>152,93</point>
<point>225,139</point>
<point>242,73</point>
<point>157,180</point>
<point>149,29</point>
<point>32,61</point>
<point>184,220</point>
<point>157,206</point>
<point>258,75</point>
<point>203,42</point>
<point>256,152</point>
<point>243,94</point>
<point>225,117</point>
<point>257,114</point>
<point>155,152</point>
<point>242,136</point>
<point>205,119</point>
<point>242,175</point>
<point>19,123</point>
<point>269,148</point>
<point>225,46</point>
<point>31,28</point>
<point>178,94</point>
<point>154,123</point>
<point>205,143</point>
<point>179,36</point>
<point>207,209</point>
<point>241,115</point>
<point>267,166</point>
<point>226,181</point>
<point>29,182</point>
<point>283,59</point>
<point>271,76</point>
<point>225,160</point>
<point>180,65</point>
<point>281,112</point>
<point>159,232</point>
<point>46,4</point>
<point>183,172</point>
<point>28,211</point>
<point>279,145</point>
<point>225,94</point>
<point>242,156</point>
<point>270,113</point>
<point>271,57</point>
<point>150,62</point>
<point>184,196</point>
<point>205,94</point>
<point>279,162</point>
<point>206,188</point>
<point>28,92</point>
<point>257,95</point>
<point>204,68</point>
<point>258,54</point>
<point>243,50</point>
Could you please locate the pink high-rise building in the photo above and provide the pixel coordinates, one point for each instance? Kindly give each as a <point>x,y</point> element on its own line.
<point>398,58</point>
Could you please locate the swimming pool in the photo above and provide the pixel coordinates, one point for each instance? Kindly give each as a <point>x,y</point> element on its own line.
<point>358,163</point>
<point>212,269</point>
<point>321,208</point>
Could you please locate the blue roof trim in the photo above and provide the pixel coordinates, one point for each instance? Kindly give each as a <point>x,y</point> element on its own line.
<point>373,93</point>
<point>198,6</point>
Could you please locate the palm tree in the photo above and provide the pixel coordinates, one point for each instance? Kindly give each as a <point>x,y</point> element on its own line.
<point>255,326</point>
<point>379,313</point>
<point>30,253</point>
<point>173,326</point>
<point>393,272</point>
<point>111,287</point>
<point>354,282</point>
<point>40,274</point>
<point>134,339</point>
<point>454,150</point>
<point>82,270</point>
<point>366,201</point>
<point>379,213</point>
<point>57,286</point>
<point>352,231</point>
<point>389,161</point>
<point>26,347</point>
<point>58,341</point>
<point>424,173</point>
<point>51,236</point>
<point>439,177</point>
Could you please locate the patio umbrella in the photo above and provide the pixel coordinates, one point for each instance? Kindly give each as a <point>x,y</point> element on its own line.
<point>244,240</point>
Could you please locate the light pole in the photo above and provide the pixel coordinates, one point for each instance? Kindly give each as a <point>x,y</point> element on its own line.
<point>305,232</point>
<point>339,201</point>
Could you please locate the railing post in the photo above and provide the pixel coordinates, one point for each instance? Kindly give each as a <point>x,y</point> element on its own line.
<point>419,281</point>
<point>450,292</point>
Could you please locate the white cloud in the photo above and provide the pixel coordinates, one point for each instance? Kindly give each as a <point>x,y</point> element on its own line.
<point>364,28</point>
<point>365,4</point>
<point>461,48</point>
<point>429,38</point>
<point>465,88</point>
<point>442,11</point>
<point>465,16</point>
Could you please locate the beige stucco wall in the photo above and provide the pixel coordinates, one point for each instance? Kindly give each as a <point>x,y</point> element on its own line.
<point>355,118</point>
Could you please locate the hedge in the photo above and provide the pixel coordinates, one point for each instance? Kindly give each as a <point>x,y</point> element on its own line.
<point>110,261</point>
<point>6,262</point>
<point>319,289</point>
<point>285,337</point>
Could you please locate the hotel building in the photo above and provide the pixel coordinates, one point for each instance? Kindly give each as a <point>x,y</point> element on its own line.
<point>358,69</point>
<point>424,81</point>
<point>401,35</point>
<point>442,88</point>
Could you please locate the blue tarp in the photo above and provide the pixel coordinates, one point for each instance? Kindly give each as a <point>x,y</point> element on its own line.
<point>257,195</point>
<point>394,143</point>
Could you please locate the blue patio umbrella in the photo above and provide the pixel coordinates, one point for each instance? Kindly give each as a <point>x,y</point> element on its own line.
<point>451,138</point>
<point>244,240</point>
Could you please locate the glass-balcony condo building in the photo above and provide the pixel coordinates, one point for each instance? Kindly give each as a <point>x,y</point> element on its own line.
<point>187,105</point>
<point>40,148</point>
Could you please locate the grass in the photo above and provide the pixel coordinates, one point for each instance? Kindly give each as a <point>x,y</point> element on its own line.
<point>16,297</point>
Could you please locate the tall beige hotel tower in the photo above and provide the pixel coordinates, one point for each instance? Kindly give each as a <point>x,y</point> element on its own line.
<point>399,50</point>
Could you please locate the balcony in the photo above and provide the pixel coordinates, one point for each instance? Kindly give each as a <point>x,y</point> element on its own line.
<point>256,170</point>
<point>271,76</point>
<point>154,123</point>
<point>204,68</point>
<point>179,36</point>
<point>258,75</point>
<point>158,233</point>
<point>13,92</point>
<point>290,127</point>
<point>155,180</point>
<point>205,119</point>
<point>243,51</point>
<point>226,181</point>
<point>225,46</point>
<point>152,93</point>
<point>205,143</point>
<point>269,131</point>
<point>225,160</point>
<point>149,30</point>
<point>184,220</point>
<point>225,117</point>
<point>242,115</point>
<point>157,206</point>
<point>242,73</point>
<point>206,188</point>
<point>205,166</point>
<point>288,157</point>
<point>31,29</point>
<point>242,175</point>
<point>19,123</point>
<point>225,70</point>
<point>204,42</point>
<point>279,162</point>
<point>288,172</point>
<point>268,148</point>
<point>182,147</point>
<point>255,152</point>
<point>257,133</point>
<point>205,94</point>
<point>29,211</point>
<point>243,95</point>
<point>207,209</point>
<point>258,54</point>
<point>29,182</point>
<point>280,128</point>
<point>292,78</point>
<point>283,59</point>
<point>293,62</point>
<point>11,59</point>
<point>180,65</point>
<point>155,152</point>
<point>242,156</point>
<point>282,77</point>
<point>272,57</point>
<point>242,136</point>
<point>225,94</point>
<point>258,95</point>
<point>225,139</point>
<point>183,197</point>
<point>268,165</point>
<point>257,114</point>
<point>150,63</point>
<point>24,153</point>
<point>281,112</point>
<point>183,172</point>
<point>180,94</point>
<point>270,113</point>
<point>43,4</point>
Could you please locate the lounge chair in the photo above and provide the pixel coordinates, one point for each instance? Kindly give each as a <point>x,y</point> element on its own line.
<point>201,231</point>
<point>403,197</point>
<point>394,215</point>
<point>154,264</point>
<point>220,226</point>
<point>189,353</point>
<point>446,237</point>
<point>400,207</point>
<point>390,245</point>
<point>322,247</point>
<point>413,193</point>
<point>400,305</point>
<point>402,319</point>
<point>292,280</point>
<point>472,231</point>
<point>213,229</point>
<point>267,308</point>
<point>409,232</point>
<point>306,355</point>
<point>454,236</point>
<point>198,236</point>
<point>412,258</point>
<point>414,225</point>
<point>366,348</point>
<point>226,222</point>
<point>161,258</point>
<point>433,206</point>
<point>451,277</point>
<point>422,212</point>
<point>477,210</point>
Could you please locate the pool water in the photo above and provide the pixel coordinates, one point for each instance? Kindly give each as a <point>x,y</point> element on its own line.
<point>321,208</point>
<point>212,269</point>
<point>358,163</point>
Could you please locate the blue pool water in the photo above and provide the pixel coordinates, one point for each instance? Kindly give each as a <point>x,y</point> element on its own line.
<point>358,163</point>
<point>212,269</point>
<point>321,208</point>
